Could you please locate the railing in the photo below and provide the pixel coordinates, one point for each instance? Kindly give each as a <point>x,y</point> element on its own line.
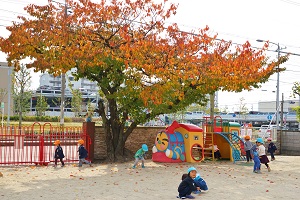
<point>34,144</point>
<point>257,132</point>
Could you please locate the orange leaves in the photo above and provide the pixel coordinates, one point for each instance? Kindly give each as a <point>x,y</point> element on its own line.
<point>125,46</point>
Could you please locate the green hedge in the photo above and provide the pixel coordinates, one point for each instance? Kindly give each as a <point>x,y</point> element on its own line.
<point>44,119</point>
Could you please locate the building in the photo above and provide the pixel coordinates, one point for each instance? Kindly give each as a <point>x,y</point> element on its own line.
<point>50,87</point>
<point>48,81</point>
<point>6,99</point>
<point>270,106</point>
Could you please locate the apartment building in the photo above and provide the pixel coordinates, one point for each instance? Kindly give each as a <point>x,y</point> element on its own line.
<point>5,92</point>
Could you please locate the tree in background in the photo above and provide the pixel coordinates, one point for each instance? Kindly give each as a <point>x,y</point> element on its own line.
<point>41,106</point>
<point>3,93</point>
<point>143,67</point>
<point>21,91</point>
<point>296,91</point>
<point>243,110</point>
<point>76,101</point>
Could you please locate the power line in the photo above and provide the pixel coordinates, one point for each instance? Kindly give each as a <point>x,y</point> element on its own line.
<point>291,2</point>
<point>17,3</point>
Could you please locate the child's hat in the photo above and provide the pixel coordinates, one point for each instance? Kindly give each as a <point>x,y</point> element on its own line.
<point>191,169</point>
<point>56,142</point>
<point>269,139</point>
<point>80,141</point>
<point>247,137</point>
<point>145,147</point>
<point>260,140</point>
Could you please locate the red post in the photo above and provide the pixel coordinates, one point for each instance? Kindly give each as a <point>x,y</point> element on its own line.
<point>88,129</point>
<point>41,150</point>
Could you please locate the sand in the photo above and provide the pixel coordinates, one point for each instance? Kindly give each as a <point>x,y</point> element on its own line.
<point>225,180</point>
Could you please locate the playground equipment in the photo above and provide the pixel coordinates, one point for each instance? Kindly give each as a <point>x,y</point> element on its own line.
<point>179,143</point>
<point>190,143</point>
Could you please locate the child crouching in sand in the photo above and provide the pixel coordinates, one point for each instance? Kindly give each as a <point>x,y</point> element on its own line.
<point>187,186</point>
<point>139,155</point>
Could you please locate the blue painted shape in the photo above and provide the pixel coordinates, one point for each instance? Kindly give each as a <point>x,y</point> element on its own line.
<point>269,117</point>
<point>176,144</point>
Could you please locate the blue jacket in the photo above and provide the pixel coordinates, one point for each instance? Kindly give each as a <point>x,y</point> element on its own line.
<point>199,182</point>
<point>83,153</point>
<point>59,153</point>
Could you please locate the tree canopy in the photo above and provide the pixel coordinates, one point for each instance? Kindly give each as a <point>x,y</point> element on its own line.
<point>143,66</point>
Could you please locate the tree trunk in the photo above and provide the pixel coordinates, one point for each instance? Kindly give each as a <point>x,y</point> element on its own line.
<point>212,106</point>
<point>116,141</point>
<point>109,143</point>
<point>20,121</point>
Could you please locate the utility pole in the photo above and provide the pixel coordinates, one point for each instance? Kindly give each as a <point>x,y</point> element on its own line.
<point>9,95</point>
<point>277,84</point>
<point>63,78</point>
<point>281,114</point>
<point>277,88</point>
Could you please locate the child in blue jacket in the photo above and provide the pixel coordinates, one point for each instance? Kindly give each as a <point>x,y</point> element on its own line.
<point>83,154</point>
<point>59,154</point>
<point>255,156</point>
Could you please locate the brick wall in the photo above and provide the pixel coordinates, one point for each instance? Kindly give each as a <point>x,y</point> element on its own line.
<point>288,143</point>
<point>140,135</point>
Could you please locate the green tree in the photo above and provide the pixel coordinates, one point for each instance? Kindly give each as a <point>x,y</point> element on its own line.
<point>76,101</point>
<point>243,108</point>
<point>21,91</point>
<point>3,93</point>
<point>296,92</point>
<point>41,106</point>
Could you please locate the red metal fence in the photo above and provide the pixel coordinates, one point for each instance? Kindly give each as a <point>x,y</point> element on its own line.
<point>34,144</point>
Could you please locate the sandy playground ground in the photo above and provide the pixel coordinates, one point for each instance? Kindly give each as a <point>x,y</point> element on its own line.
<point>157,181</point>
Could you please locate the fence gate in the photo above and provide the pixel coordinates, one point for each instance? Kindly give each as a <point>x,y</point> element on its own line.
<point>34,144</point>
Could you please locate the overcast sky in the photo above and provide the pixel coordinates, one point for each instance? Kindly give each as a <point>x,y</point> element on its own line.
<point>235,20</point>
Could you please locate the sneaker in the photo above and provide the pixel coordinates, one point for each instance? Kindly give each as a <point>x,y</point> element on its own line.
<point>133,167</point>
<point>143,166</point>
<point>62,165</point>
<point>181,197</point>
<point>197,192</point>
<point>54,166</point>
<point>190,197</point>
<point>255,171</point>
<point>91,165</point>
<point>258,171</point>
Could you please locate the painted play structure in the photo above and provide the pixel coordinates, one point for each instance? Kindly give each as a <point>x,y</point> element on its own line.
<point>189,143</point>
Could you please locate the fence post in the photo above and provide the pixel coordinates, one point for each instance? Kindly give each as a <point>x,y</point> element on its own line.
<point>41,150</point>
<point>88,129</point>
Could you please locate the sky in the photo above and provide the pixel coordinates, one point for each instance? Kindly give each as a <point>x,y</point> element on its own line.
<point>235,20</point>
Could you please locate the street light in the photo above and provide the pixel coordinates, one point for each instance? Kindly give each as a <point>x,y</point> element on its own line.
<point>277,85</point>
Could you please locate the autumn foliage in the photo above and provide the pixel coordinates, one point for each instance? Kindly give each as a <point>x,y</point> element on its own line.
<point>139,62</point>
